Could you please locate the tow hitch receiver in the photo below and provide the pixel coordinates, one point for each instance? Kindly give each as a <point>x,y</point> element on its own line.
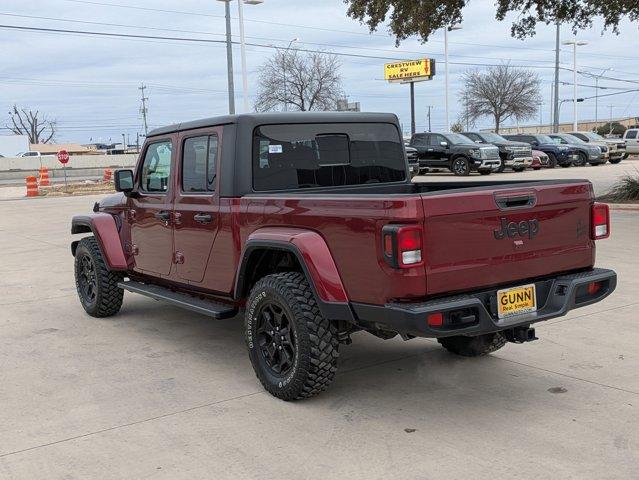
<point>520,334</point>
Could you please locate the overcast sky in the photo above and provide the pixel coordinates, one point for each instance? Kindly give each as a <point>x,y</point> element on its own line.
<point>90,84</point>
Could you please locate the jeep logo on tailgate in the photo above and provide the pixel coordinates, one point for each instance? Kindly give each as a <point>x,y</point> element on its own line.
<point>524,228</point>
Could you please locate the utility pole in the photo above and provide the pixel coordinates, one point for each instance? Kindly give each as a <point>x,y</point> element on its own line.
<point>610,124</point>
<point>429,107</point>
<point>555,120</point>
<point>575,44</point>
<point>124,143</point>
<point>143,109</point>
<point>541,116</point>
<point>229,56</point>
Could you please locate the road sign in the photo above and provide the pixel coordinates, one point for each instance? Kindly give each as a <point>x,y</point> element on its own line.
<point>410,70</point>
<point>63,157</point>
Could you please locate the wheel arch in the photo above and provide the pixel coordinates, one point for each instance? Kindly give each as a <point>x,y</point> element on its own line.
<point>104,228</point>
<point>272,251</point>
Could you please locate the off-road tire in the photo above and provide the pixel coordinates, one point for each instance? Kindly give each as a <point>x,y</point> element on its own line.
<point>316,342</point>
<point>552,160</point>
<point>473,346</point>
<point>108,296</point>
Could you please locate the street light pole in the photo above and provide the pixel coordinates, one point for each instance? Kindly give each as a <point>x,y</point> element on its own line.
<point>229,57</point>
<point>240,15</point>
<point>575,44</point>
<point>284,72</point>
<point>446,30</point>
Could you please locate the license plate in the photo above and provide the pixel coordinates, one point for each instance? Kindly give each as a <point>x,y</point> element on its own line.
<point>516,300</point>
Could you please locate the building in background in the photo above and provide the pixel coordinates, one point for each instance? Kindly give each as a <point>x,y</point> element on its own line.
<point>584,126</point>
<point>344,105</point>
<point>54,148</point>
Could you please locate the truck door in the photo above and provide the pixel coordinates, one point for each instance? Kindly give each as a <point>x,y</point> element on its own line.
<point>438,152</point>
<point>150,212</point>
<point>196,208</point>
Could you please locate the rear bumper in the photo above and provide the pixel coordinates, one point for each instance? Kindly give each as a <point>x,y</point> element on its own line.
<point>476,313</point>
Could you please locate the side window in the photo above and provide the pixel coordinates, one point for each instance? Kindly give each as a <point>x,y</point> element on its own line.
<point>199,157</point>
<point>473,136</point>
<point>420,140</point>
<point>631,134</point>
<point>435,140</point>
<point>156,168</point>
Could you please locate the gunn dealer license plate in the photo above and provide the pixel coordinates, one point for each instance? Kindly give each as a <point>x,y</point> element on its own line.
<point>517,300</point>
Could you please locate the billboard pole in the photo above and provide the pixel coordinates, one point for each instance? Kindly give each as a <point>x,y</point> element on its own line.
<point>412,108</point>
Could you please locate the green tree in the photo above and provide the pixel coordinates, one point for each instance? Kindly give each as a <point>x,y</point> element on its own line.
<point>615,128</point>
<point>423,17</point>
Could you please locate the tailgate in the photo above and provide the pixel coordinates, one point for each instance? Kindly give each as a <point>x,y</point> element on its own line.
<point>489,236</point>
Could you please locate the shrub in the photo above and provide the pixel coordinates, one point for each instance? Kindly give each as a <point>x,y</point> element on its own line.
<point>627,188</point>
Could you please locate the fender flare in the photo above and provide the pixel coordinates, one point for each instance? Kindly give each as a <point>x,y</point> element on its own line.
<point>104,228</point>
<point>316,261</point>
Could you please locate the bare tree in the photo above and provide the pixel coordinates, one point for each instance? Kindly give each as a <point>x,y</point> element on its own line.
<point>290,80</point>
<point>500,92</point>
<point>38,128</point>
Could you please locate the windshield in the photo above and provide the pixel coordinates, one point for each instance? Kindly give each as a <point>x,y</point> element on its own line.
<point>594,136</point>
<point>572,139</point>
<point>544,139</point>
<point>492,137</point>
<point>458,138</point>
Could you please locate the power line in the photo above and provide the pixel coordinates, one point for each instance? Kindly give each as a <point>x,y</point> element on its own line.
<point>218,42</point>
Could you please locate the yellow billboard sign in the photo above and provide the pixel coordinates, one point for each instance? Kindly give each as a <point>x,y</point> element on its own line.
<point>409,70</point>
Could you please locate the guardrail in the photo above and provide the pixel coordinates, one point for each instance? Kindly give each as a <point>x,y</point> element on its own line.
<point>79,166</point>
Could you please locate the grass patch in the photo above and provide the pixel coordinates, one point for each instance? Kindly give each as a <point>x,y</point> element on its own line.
<point>625,190</point>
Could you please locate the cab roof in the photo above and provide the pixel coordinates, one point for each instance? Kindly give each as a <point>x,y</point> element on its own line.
<point>254,119</point>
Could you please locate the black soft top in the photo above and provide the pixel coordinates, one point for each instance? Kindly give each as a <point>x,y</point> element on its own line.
<point>252,120</point>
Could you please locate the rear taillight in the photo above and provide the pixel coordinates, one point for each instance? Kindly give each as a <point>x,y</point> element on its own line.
<point>402,245</point>
<point>599,221</point>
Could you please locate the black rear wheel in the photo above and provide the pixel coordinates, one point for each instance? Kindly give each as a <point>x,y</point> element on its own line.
<point>292,348</point>
<point>97,286</point>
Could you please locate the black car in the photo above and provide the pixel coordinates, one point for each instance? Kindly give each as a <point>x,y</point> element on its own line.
<point>413,161</point>
<point>561,155</point>
<point>455,152</point>
<point>591,154</point>
<point>515,155</point>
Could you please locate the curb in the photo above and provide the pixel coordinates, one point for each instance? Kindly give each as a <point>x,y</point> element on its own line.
<point>624,207</point>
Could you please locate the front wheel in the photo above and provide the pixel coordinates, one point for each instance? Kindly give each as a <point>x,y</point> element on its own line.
<point>473,346</point>
<point>581,161</point>
<point>484,172</point>
<point>97,286</point>
<point>552,160</point>
<point>615,161</point>
<point>460,167</point>
<point>292,348</point>
<point>566,164</point>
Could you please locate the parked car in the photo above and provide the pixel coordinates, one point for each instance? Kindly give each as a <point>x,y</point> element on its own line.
<point>540,160</point>
<point>631,139</point>
<point>330,237</point>
<point>413,161</point>
<point>455,152</point>
<point>616,148</point>
<point>587,153</point>
<point>515,155</point>
<point>557,154</point>
<point>33,154</point>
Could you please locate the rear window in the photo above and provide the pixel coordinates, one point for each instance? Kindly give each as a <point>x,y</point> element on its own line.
<point>289,157</point>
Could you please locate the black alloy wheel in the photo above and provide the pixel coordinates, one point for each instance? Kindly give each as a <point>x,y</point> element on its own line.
<point>275,337</point>
<point>461,167</point>
<point>87,279</point>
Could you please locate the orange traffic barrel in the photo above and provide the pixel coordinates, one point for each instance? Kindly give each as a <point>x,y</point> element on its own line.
<point>107,175</point>
<point>32,187</point>
<point>44,177</point>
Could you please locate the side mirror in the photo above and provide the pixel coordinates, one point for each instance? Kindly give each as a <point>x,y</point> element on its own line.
<point>443,144</point>
<point>123,180</point>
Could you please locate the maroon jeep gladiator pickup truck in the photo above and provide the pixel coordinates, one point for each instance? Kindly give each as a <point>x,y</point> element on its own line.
<point>309,224</point>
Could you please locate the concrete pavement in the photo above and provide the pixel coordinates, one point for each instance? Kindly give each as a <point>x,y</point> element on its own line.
<point>157,392</point>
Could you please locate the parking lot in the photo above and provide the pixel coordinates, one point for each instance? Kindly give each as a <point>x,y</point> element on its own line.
<point>157,392</point>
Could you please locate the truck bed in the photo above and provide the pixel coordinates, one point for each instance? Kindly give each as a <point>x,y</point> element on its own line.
<point>463,247</point>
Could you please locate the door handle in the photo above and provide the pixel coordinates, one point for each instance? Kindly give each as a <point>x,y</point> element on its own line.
<point>203,217</point>
<point>163,215</point>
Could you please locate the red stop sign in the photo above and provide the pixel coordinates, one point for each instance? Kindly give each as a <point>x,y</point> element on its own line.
<point>63,157</point>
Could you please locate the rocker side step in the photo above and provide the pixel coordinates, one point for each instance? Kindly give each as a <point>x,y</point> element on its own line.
<point>212,309</point>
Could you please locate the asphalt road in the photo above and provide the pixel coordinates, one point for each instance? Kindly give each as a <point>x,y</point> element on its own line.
<point>157,392</point>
